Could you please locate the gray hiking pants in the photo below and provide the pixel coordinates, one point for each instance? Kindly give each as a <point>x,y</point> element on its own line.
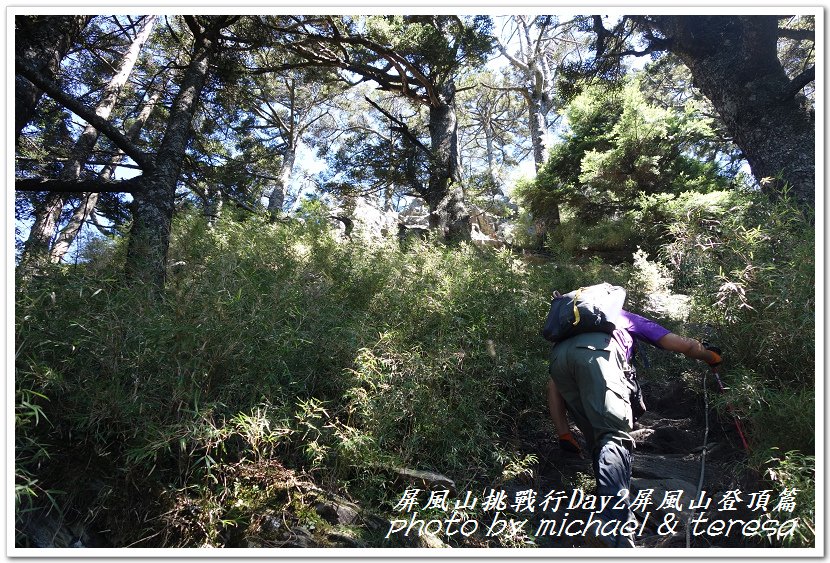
<point>588,370</point>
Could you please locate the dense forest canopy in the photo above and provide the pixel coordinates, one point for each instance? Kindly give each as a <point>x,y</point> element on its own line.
<point>385,99</point>
<point>328,239</point>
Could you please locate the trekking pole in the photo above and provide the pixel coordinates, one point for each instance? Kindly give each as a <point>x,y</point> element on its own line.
<point>735,418</point>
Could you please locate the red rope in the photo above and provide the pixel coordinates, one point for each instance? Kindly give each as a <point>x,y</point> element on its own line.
<point>735,418</point>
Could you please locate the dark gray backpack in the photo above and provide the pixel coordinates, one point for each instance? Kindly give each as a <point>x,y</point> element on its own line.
<point>588,309</point>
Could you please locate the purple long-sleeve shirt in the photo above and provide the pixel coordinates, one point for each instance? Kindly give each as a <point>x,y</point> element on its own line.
<point>631,326</point>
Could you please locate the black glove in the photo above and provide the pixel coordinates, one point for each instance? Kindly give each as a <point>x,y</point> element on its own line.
<point>567,443</point>
<point>715,351</point>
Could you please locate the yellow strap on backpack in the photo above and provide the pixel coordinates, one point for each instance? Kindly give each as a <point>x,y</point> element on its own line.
<point>576,311</point>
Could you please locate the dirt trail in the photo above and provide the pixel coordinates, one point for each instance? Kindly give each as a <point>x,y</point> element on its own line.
<point>668,457</point>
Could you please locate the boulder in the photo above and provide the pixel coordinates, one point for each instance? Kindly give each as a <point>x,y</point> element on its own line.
<point>647,466</point>
<point>415,210</point>
<point>660,487</point>
<point>338,512</point>
<point>482,239</point>
<point>369,218</point>
<point>426,479</point>
<point>486,223</point>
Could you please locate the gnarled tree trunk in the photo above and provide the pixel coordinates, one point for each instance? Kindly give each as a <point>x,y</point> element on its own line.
<point>538,108</point>
<point>734,62</point>
<point>445,197</point>
<point>277,197</point>
<point>154,204</point>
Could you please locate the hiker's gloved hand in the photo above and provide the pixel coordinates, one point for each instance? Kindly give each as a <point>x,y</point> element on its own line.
<point>715,352</point>
<point>567,443</point>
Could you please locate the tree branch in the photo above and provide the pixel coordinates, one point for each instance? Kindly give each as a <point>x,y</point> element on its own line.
<point>799,82</point>
<point>513,60</point>
<point>105,127</point>
<point>239,203</point>
<point>655,44</point>
<point>93,162</point>
<point>797,34</point>
<point>404,128</point>
<point>104,229</point>
<point>132,186</point>
<point>503,88</point>
<point>409,78</point>
<point>602,33</point>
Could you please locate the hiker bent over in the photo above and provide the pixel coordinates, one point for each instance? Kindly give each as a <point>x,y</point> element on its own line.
<point>588,375</point>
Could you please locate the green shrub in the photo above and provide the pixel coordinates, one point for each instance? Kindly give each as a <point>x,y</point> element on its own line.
<point>750,267</point>
<point>796,473</point>
<point>647,279</point>
<point>343,358</point>
<point>574,237</point>
<point>282,341</point>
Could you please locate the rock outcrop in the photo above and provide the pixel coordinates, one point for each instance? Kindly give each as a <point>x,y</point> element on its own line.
<point>493,226</point>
